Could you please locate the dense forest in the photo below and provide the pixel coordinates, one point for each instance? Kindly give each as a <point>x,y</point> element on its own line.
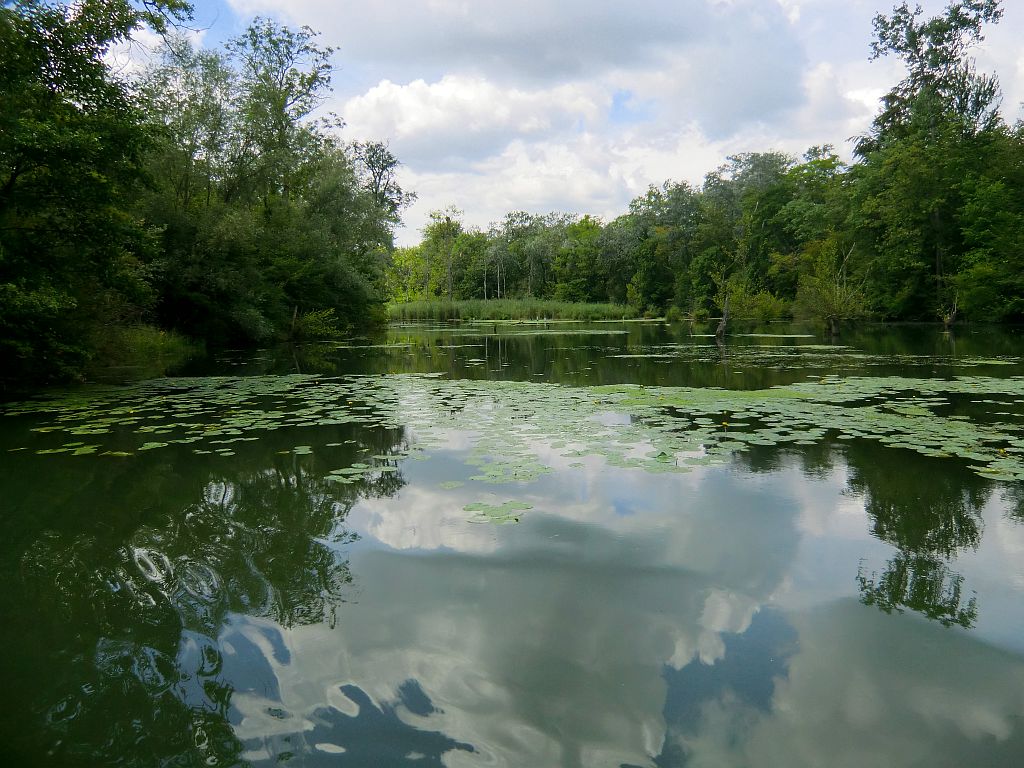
<point>199,196</point>
<point>926,224</point>
<point>208,196</point>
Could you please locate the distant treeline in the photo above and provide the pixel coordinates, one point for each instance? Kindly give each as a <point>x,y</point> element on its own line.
<point>926,224</point>
<point>198,196</point>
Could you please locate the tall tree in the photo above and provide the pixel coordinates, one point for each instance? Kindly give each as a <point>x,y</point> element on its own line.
<point>440,249</point>
<point>263,216</point>
<point>941,76</point>
<point>70,149</point>
<point>283,76</point>
<point>378,171</point>
<point>932,132</point>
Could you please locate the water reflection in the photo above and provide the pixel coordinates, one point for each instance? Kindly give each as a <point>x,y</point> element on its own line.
<point>650,353</point>
<point>119,641</point>
<point>560,642</point>
<point>930,517</point>
<point>742,683</point>
<point>173,608</point>
<point>894,699</point>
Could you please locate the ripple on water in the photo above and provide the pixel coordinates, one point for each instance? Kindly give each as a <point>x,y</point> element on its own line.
<point>154,565</point>
<point>198,579</point>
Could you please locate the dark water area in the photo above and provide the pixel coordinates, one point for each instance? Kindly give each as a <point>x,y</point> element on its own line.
<point>515,544</point>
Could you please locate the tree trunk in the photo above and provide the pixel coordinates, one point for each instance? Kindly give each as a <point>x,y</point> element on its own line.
<point>720,332</point>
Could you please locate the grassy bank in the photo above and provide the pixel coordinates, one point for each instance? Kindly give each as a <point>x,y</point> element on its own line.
<point>508,309</point>
<point>139,351</point>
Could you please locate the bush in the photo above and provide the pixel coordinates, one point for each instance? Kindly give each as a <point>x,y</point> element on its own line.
<point>142,350</point>
<point>319,324</point>
<point>763,305</point>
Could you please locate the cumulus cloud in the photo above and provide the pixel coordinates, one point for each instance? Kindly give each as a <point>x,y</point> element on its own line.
<point>727,63</point>
<point>533,39</point>
<point>579,106</point>
<point>463,118</point>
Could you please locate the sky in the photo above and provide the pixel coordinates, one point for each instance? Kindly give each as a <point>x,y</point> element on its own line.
<point>580,105</point>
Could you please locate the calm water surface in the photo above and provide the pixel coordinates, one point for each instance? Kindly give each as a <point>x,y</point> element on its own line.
<point>612,544</point>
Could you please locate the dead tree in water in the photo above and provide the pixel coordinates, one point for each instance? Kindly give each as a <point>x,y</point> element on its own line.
<point>720,332</point>
<point>948,314</point>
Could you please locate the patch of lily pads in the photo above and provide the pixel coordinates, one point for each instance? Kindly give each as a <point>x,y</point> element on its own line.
<point>522,430</point>
<point>506,512</point>
<point>797,355</point>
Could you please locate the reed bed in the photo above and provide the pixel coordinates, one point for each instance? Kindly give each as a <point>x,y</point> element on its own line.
<point>508,309</point>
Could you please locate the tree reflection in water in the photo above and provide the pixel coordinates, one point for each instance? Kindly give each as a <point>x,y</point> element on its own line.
<point>930,517</point>
<point>120,638</point>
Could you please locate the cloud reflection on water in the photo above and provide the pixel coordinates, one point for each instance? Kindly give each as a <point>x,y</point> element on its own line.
<point>586,636</point>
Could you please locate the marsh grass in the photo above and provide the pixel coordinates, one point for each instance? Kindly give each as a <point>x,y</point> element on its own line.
<point>508,309</point>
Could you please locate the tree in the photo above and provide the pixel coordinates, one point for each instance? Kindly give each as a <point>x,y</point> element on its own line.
<point>827,291</point>
<point>934,130</point>
<point>70,150</point>
<point>439,247</point>
<point>406,274</point>
<point>941,78</point>
<point>378,172</point>
<point>263,216</point>
<point>191,95</point>
<point>576,264</point>
<point>990,283</point>
<point>283,76</point>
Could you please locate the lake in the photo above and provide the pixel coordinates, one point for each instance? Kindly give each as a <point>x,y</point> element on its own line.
<point>526,544</point>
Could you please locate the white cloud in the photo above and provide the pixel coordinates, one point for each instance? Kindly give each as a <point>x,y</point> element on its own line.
<point>532,39</point>
<point>463,118</point>
<point>579,106</point>
<point>792,9</point>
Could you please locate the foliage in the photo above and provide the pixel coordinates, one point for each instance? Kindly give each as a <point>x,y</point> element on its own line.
<point>264,214</point>
<point>204,197</point>
<point>928,224</point>
<point>318,324</point>
<point>71,141</point>
<point>507,309</point>
<point>746,303</point>
<point>826,290</point>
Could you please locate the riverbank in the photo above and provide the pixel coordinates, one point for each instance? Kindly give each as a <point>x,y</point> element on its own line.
<point>508,309</point>
<point>139,352</point>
